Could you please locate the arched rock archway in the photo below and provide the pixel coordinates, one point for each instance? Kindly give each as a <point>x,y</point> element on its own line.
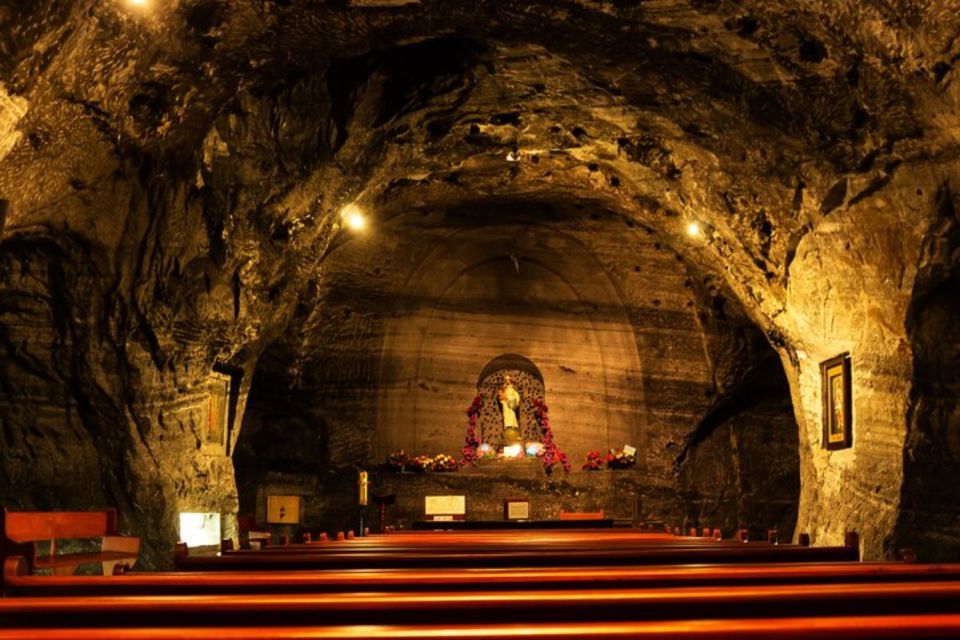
<point>511,288</point>
<point>525,376</point>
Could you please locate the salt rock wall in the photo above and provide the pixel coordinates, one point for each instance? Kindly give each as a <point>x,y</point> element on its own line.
<point>83,424</point>
<point>174,180</point>
<point>850,290</point>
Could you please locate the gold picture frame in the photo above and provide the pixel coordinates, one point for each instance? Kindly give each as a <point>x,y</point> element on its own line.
<point>283,509</point>
<point>835,376</point>
<point>216,425</point>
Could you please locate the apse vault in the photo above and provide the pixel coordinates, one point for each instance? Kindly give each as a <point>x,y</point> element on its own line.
<point>629,345</point>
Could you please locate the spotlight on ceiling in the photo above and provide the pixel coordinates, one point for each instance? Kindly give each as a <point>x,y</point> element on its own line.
<point>693,229</point>
<point>353,217</point>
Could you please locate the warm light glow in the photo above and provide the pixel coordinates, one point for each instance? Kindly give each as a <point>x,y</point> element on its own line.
<point>353,217</point>
<point>513,451</point>
<point>200,529</point>
<point>693,229</point>
<point>138,3</point>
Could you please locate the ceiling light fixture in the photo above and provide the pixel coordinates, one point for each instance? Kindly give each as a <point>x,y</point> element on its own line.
<point>353,217</point>
<point>693,229</point>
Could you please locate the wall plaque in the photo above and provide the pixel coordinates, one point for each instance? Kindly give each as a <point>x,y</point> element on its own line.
<point>516,509</point>
<point>283,509</point>
<point>445,505</point>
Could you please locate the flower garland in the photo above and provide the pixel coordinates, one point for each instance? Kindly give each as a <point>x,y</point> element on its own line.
<point>471,442</point>
<point>551,454</point>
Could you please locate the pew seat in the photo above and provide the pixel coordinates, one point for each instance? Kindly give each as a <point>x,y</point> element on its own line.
<point>518,578</point>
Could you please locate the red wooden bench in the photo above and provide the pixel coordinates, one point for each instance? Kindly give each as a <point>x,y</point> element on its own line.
<point>798,628</point>
<point>517,578</point>
<point>345,558</point>
<point>802,628</point>
<point>479,607</point>
<point>20,531</point>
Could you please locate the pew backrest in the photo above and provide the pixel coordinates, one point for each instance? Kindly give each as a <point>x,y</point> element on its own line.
<point>20,531</point>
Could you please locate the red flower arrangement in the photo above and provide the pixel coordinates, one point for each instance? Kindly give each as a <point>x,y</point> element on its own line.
<point>551,454</point>
<point>399,461</point>
<point>420,464</point>
<point>594,461</point>
<point>471,442</point>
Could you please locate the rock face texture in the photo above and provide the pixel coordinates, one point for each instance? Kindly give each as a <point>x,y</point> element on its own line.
<point>172,250</point>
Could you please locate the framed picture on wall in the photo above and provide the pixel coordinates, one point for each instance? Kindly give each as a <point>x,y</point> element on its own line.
<point>837,402</point>
<point>283,509</point>
<point>216,423</point>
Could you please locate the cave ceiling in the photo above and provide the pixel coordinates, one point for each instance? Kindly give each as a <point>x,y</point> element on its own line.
<point>213,144</point>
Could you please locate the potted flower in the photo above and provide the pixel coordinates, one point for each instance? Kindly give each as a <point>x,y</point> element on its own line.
<point>620,459</point>
<point>398,460</point>
<point>444,463</point>
<point>420,464</point>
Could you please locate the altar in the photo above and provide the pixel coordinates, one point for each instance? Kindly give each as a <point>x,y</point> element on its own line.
<point>477,525</point>
<point>485,486</point>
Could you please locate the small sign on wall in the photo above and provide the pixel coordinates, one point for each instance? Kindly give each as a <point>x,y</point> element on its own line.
<point>516,509</point>
<point>283,509</point>
<point>445,505</point>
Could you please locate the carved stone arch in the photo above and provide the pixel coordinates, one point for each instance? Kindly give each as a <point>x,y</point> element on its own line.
<point>511,361</point>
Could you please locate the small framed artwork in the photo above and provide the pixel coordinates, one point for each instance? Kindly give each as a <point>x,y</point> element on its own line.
<point>283,509</point>
<point>516,509</point>
<point>837,402</point>
<point>214,440</point>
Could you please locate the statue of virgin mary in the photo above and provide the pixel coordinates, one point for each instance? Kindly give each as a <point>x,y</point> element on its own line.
<point>509,399</point>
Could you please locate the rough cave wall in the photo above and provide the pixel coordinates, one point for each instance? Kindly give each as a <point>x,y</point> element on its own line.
<point>201,181</point>
<point>930,511</point>
<point>850,291</point>
<point>83,423</point>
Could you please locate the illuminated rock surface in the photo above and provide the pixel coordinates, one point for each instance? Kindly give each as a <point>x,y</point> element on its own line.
<point>175,175</point>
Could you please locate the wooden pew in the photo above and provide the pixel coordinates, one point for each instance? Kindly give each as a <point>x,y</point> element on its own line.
<point>800,628</point>
<point>345,559</point>
<point>549,541</point>
<point>479,607</point>
<point>20,531</point>
<point>843,628</point>
<point>516,578</point>
<point>545,548</point>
